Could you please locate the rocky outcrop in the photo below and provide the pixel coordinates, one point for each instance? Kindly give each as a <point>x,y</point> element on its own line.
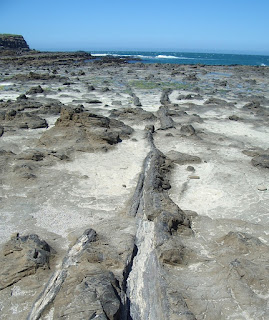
<point>159,221</point>
<point>21,257</point>
<point>22,120</point>
<point>166,122</point>
<point>145,253</point>
<point>81,130</point>
<point>10,41</point>
<point>133,114</point>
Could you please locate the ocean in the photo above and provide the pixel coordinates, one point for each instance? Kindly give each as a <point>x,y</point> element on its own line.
<point>190,58</point>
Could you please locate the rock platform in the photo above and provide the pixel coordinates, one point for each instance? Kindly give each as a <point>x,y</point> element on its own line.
<point>132,191</point>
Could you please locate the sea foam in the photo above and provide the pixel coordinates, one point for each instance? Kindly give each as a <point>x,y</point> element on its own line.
<point>161,56</point>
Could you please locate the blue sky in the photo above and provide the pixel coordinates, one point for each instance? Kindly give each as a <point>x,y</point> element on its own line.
<point>188,25</point>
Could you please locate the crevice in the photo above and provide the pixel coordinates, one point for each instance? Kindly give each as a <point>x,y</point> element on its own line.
<point>125,307</point>
<point>55,283</point>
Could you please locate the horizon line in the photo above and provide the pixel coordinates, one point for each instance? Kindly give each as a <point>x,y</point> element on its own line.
<point>168,50</point>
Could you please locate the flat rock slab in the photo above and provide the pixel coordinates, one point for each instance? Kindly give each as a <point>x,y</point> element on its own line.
<point>183,158</point>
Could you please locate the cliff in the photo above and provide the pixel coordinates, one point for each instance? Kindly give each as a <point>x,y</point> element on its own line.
<point>12,41</point>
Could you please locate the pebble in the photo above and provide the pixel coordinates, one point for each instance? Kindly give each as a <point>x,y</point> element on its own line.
<point>190,168</point>
<point>262,188</point>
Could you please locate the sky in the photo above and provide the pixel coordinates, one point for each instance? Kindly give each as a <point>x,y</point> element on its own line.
<point>231,26</point>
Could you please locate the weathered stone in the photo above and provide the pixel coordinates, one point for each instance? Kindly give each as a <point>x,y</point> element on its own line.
<point>182,158</point>
<point>21,257</point>
<point>165,120</point>
<point>84,131</point>
<point>187,130</point>
<point>35,90</point>
<point>261,161</point>
<point>133,114</point>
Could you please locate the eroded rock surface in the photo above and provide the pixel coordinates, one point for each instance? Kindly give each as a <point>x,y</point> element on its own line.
<point>148,184</point>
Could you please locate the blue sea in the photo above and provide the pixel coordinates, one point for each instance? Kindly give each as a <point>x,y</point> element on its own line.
<point>190,58</point>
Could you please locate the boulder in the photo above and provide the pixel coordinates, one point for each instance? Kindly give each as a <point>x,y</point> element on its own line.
<point>261,161</point>
<point>21,257</point>
<point>234,118</point>
<point>187,130</point>
<point>137,102</point>
<point>165,96</point>
<point>166,121</point>
<point>35,90</point>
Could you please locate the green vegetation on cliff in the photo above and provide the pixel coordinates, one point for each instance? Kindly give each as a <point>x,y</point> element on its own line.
<point>7,35</point>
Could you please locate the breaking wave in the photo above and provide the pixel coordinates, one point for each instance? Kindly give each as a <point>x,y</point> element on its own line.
<point>161,56</point>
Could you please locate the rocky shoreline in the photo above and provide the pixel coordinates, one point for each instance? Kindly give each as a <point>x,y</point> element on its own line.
<point>132,191</point>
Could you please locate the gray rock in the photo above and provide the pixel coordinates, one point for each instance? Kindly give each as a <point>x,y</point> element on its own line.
<point>215,101</point>
<point>34,155</point>
<point>137,102</point>
<point>166,121</point>
<point>261,161</point>
<point>252,105</point>
<point>187,130</point>
<point>22,97</point>
<point>182,158</point>
<point>133,114</point>
<point>234,118</point>
<point>241,242</point>
<point>165,96</point>
<point>35,90</point>
<point>94,101</point>
<point>191,77</point>
<point>84,131</point>
<point>21,257</point>
<point>116,103</point>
